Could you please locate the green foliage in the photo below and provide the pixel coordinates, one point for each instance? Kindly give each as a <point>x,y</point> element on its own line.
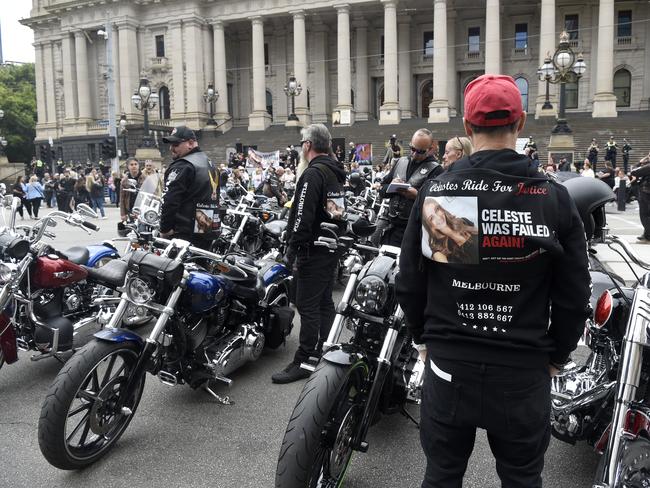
<point>18,100</point>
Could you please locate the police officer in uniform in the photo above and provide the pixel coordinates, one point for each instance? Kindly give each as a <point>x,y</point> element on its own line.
<point>414,170</point>
<point>319,198</point>
<point>190,179</point>
<point>494,284</point>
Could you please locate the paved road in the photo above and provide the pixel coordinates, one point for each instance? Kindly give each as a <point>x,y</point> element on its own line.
<point>183,438</point>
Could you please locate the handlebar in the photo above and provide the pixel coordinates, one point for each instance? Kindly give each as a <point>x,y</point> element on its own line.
<point>634,257</point>
<point>90,225</point>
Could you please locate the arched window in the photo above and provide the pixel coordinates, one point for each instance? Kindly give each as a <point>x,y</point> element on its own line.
<point>269,102</point>
<point>164,109</point>
<point>522,84</point>
<point>622,86</point>
<point>426,96</point>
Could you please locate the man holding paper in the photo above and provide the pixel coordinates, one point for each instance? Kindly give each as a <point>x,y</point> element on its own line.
<point>402,182</point>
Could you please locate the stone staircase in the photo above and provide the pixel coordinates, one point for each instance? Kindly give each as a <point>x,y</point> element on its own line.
<point>635,126</point>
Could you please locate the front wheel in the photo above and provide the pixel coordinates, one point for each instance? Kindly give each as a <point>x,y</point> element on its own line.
<point>84,412</point>
<point>317,445</point>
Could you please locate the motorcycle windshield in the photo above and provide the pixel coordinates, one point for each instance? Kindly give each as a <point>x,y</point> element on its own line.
<point>149,195</point>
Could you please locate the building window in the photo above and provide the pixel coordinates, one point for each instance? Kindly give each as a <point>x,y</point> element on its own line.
<point>571,95</point>
<point>426,96</point>
<point>474,39</point>
<point>269,102</point>
<point>572,26</point>
<point>381,51</point>
<point>163,103</point>
<point>622,85</point>
<point>266,55</point>
<point>160,46</point>
<point>522,84</point>
<point>624,26</point>
<point>521,36</point>
<point>427,44</point>
<point>230,100</point>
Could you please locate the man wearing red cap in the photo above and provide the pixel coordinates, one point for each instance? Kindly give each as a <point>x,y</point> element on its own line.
<point>496,252</point>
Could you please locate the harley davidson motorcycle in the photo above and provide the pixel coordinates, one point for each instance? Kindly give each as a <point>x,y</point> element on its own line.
<point>377,371</point>
<point>605,400</point>
<point>208,325</point>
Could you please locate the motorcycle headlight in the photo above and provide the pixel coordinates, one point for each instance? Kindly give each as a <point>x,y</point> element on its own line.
<point>6,272</point>
<point>151,217</point>
<point>371,294</point>
<point>139,291</point>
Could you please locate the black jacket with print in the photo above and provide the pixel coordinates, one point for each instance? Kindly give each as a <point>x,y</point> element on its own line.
<point>494,250</point>
<point>315,191</point>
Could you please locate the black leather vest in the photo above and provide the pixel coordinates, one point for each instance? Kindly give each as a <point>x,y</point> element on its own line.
<point>206,177</point>
<point>399,207</point>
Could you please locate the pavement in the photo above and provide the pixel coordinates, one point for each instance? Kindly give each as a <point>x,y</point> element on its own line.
<point>183,438</point>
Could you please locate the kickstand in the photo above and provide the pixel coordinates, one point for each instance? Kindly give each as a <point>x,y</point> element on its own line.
<point>409,416</point>
<point>222,400</point>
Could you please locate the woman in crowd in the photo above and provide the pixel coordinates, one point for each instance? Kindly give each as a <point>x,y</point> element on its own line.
<point>19,190</point>
<point>33,196</point>
<point>80,194</point>
<point>455,149</point>
<point>586,170</point>
<point>258,178</point>
<point>95,187</point>
<point>607,174</point>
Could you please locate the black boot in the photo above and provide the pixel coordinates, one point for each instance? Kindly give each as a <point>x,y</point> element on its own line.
<point>293,372</point>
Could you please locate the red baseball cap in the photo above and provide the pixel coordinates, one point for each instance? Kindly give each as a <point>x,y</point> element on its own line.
<point>492,100</point>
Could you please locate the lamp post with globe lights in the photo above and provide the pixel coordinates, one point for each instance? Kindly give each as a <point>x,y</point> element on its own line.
<point>293,88</point>
<point>144,100</point>
<point>124,132</point>
<point>211,96</point>
<point>545,73</point>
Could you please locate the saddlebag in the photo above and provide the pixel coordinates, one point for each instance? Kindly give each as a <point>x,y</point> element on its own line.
<point>166,271</point>
<point>280,325</point>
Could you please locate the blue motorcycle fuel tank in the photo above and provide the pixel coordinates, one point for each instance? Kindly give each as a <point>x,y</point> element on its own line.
<point>205,291</point>
<point>272,272</point>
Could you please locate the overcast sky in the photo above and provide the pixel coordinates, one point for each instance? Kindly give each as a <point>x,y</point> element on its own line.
<point>16,38</point>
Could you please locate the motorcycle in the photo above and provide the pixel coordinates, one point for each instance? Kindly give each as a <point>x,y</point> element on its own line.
<point>377,371</point>
<point>208,326</point>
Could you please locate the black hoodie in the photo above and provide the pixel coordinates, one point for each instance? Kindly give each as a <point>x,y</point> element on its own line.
<point>501,252</point>
<point>319,198</point>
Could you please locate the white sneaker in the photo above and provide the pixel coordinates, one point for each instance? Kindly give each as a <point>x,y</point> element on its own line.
<point>103,218</point>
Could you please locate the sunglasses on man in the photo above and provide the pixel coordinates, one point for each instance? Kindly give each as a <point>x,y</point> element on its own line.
<point>420,152</point>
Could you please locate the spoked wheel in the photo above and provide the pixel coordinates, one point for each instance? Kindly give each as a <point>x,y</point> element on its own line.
<point>85,411</point>
<point>317,445</point>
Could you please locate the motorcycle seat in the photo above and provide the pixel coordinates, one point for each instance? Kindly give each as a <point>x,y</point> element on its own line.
<point>112,273</point>
<point>276,227</point>
<point>77,254</point>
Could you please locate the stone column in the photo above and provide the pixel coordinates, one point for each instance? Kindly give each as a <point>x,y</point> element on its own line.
<point>321,87</point>
<point>116,74</point>
<point>177,90</point>
<point>83,87</point>
<point>404,63</point>
<point>259,119</point>
<point>50,89</point>
<point>344,70</point>
<point>362,79</point>
<point>645,101</point>
<point>194,89</point>
<point>300,65</point>
<point>69,91</point>
<point>604,99</point>
<point>439,106</point>
<point>220,77</point>
<point>129,71</point>
<point>41,110</point>
<point>208,58</point>
<point>452,76</point>
<point>492,37</point>
<point>547,45</point>
<point>389,112</point>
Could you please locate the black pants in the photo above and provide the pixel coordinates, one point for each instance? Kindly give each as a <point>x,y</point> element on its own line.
<point>394,233</point>
<point>644,212</point>
<point>511,404</point>
<point>314,284</point>
<point>63,201</point>
<point>32,205</point>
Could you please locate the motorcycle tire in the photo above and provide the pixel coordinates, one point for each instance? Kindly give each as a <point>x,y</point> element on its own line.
<point>327,411</point>
<point>73,392</point>
<point>2,358</point>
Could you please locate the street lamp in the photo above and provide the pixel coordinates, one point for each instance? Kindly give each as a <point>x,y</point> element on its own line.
<point>545,72</point>
<point>124,132</point>
<point>293,89</point>
<point>564,67</point>
<point>144,100</point>
<point>211,96</point>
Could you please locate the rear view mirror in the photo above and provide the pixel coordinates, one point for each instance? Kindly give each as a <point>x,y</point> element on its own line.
<point>86,211</point>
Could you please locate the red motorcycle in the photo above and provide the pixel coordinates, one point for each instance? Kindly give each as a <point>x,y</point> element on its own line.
<point>33,280</point>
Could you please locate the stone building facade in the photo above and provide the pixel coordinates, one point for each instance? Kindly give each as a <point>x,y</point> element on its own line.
<point>383,60</point>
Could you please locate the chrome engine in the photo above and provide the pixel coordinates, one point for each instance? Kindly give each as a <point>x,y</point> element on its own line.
<point>234,350</point>
<point>577,390</point>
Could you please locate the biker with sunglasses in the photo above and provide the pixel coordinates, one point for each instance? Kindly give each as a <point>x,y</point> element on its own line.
<point>414,170</point>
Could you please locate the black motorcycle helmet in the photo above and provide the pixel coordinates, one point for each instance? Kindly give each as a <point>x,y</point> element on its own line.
<point>590,196</point>
<point>363,228</point>
<point>354,179</point>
